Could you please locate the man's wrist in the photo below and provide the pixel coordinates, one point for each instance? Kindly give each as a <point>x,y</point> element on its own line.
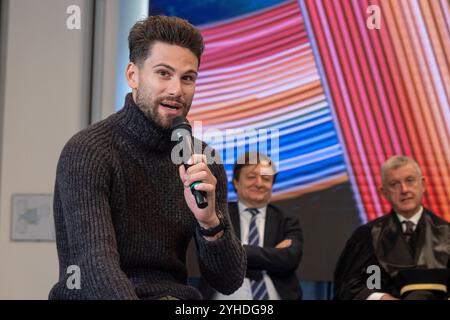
<point>214,222</point>
<point>214,229</point>
<point>215,237</point>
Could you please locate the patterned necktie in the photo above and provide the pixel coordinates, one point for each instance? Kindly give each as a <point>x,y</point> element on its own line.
<point>409,229</point>
<point>259,289</point>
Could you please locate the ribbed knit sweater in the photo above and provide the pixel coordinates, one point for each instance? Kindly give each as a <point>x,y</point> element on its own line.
<point>121,217</point>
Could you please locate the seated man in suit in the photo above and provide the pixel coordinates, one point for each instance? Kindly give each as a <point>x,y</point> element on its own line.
<point>272,239</point>
<point>410,245</point>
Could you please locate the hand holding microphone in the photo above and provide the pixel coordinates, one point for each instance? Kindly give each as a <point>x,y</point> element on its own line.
<point>199,182</point>
<point>183,131</point>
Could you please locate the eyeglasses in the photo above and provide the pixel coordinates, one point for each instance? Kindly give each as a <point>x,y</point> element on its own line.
<point>395,185</point>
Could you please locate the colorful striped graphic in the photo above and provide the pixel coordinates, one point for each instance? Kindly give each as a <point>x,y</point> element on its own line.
<point>344,97</point>
<point>390,89</point>
<point>258,71</point>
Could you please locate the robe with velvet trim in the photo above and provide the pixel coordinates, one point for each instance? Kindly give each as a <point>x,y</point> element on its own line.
<point>383,244</point>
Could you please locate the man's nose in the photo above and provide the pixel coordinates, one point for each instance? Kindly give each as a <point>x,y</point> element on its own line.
<point>404,187</point>
<point>259,181</point>
<point>174,88</point>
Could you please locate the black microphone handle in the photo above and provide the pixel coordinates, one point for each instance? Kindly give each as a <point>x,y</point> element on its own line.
<point>183,131</point>
<point>200,196</point>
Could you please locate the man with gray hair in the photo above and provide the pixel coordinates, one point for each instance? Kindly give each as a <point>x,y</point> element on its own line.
<point>410,246</point>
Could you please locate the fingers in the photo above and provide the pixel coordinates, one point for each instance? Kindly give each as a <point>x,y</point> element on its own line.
<point>201,166</point>
<point>197,176</point>
<point>284,244</point>
<point>205,187</point>
<point>206,179</point>
<point>182,172</point>
<point>198,172</point>
<point>197,158</point>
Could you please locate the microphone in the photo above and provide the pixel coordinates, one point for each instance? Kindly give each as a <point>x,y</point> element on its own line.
<point>183,132</point>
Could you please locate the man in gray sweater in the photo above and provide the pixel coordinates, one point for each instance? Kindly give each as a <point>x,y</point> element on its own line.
<point>124,212</point>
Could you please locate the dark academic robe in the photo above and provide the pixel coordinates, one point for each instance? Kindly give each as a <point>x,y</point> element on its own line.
<point>382,243</point>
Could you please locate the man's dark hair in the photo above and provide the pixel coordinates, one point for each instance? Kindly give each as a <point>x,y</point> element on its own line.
<point>252,158</point>
<point>171,30</point>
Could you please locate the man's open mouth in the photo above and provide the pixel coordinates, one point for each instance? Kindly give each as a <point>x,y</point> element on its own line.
<point>172,106</point>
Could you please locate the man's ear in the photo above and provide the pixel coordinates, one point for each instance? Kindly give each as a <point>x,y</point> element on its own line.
<point>235,184</point>
<point>132,75</point>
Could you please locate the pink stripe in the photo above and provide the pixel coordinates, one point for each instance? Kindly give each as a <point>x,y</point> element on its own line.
<point>359,159</point>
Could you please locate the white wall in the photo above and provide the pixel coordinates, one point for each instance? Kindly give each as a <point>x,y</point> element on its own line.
<point>46,89</point>
<point>105,58</point>
<point>130,12</point>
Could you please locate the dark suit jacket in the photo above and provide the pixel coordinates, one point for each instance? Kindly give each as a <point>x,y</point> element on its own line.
<point>280,264</point>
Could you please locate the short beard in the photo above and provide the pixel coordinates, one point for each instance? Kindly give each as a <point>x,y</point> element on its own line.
<point>149,109</point>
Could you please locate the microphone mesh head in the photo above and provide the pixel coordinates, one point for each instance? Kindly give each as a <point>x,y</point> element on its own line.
<point>180,122</point>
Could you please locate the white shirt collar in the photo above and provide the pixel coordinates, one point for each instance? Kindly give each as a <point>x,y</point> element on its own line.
<point>415,218</point>
<point>242,208</point>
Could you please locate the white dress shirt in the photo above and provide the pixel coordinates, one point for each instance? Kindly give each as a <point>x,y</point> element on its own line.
<point>245,291</point>
<point>414,219</point>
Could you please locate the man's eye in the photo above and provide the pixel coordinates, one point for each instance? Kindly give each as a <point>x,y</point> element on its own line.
<point>410,180</point>
<point>394,184</point>
<point>189,78</point>
<point>163,73</point>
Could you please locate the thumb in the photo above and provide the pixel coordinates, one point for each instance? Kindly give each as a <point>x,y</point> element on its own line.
<point>182,172</point>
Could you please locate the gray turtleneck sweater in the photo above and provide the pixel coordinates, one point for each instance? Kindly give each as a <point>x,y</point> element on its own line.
<point>121,217</point>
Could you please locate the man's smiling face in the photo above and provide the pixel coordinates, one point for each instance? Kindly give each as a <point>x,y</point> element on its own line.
<point>254,187</point>
<point>164,84</point>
